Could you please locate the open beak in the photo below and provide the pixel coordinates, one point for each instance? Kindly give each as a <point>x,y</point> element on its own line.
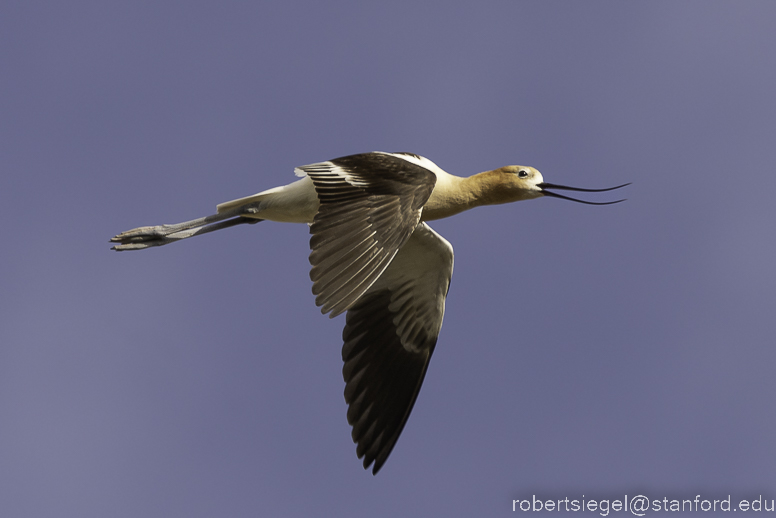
<point>544,186</point>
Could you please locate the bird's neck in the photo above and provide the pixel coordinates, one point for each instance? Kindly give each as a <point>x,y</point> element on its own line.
<point>454,194</point>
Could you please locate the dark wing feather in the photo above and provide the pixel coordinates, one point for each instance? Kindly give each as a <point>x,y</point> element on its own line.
<point>390,334</point>
<point>370,204</point>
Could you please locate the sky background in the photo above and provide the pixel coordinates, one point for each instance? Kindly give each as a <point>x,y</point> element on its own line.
<point>597,351</point>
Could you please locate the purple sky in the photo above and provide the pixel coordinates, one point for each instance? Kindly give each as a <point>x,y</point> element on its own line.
<point>592,351</point>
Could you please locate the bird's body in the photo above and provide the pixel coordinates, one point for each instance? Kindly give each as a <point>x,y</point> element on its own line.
<point>374,257</point>
<point>298,202</point>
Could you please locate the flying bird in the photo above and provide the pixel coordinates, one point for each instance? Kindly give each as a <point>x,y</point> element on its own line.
<point>374,256</point>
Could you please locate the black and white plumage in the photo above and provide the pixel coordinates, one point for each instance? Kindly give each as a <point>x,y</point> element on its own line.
<point>371,257</point>
<point>362,221</point>
<point>374,257</point>
<point>390,334</point>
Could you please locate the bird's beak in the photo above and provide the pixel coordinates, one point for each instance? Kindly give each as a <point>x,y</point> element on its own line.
<point>544,186</point>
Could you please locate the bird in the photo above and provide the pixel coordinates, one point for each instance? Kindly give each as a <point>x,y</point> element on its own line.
<point>374,257</point>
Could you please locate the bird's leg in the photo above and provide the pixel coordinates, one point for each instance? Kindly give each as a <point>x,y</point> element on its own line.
<point>146,237</point>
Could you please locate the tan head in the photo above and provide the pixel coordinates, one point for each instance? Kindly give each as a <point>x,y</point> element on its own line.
<point>522,181</point>
<point>519,182</point>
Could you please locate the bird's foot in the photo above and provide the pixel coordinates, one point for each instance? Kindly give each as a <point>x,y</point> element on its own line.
<point>144,237</point>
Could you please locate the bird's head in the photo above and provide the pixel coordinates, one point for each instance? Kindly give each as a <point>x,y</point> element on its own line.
<point>519,182</point>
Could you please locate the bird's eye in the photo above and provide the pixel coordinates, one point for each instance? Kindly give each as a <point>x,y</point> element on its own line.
<point>522,173</point>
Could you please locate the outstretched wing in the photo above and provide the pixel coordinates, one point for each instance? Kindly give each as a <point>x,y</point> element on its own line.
<point>369,206</point>
<point>389,335</point>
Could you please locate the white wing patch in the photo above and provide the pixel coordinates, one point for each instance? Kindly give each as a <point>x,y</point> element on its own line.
<point>332,169</point>
<point>419,161</point>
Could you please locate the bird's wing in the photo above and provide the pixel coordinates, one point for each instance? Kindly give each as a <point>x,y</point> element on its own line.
<point>389,335</point>
<point>369,206</point>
